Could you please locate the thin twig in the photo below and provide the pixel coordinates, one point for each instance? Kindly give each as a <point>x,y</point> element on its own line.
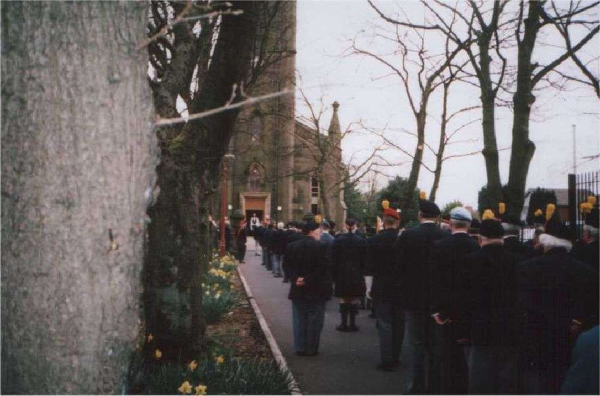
<point>208,113</point>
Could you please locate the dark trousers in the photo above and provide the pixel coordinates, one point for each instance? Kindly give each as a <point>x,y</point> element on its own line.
<point>450,373</point>
<point>269,259</point>
<point>417,355</point>
<point>493,370</point>
<point>241,251</point>
<point>308,317</point>
<point>390,328</point>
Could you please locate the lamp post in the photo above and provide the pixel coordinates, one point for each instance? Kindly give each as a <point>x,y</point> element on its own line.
<point>222,244</point>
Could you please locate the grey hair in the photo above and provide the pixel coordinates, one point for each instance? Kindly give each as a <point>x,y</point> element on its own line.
<point>462,224</point>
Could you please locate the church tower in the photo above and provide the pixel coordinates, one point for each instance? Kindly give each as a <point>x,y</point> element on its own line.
<point>334,171</point>
<point>261,176</point>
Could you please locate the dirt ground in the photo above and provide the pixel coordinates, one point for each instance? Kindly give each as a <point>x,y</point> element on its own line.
<point>240,330</point>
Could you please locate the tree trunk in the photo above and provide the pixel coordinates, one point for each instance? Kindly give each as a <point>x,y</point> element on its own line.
<point>488,124</point>
<point>76,164</point>
<point>179,246</point>
<point>411,184</point>
<point>522,148</point>
<point>439,158</point>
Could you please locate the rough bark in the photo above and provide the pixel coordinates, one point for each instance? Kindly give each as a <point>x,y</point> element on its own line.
<point>76,163</point>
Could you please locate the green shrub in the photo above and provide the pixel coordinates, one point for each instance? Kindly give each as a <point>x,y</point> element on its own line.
<point>215,305</point>
<point>232,377</point>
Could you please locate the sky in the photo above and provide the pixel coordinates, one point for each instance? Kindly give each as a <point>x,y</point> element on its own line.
<point>366,91</point>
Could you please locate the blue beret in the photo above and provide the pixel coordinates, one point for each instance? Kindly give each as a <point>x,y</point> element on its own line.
<point>460,213</point>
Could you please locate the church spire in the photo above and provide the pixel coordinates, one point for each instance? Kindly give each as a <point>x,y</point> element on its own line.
<point>334,125</point>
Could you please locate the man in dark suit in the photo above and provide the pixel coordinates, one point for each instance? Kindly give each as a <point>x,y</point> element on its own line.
<point>348,264</point>
<point>413,251</point>
<point>450,366</point>
<point>383,286</point>
<point>559,296</point>
<point>512,227</point>
<point>587,250</point>
<point>306,262</point>
<point>292,234</point>
<point>488,285</point>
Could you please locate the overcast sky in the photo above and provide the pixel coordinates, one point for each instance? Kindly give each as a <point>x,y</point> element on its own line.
<point>325,29</point>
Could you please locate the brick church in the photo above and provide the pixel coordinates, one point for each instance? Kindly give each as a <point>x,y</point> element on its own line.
<point>283,168</point>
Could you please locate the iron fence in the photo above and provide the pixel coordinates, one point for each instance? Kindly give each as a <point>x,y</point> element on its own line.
<point>581,186</point>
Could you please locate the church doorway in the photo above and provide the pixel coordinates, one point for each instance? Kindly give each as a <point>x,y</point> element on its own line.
<point>256,202</point>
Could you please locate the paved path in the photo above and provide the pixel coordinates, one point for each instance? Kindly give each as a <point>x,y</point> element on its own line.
<point>346,361</point>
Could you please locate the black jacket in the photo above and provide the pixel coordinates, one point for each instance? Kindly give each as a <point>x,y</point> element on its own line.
<point>279,241</point>
<point>348,263</point>
<point>553,289</point>
<point>309,259</point>
<point>382,265</point>
<point>242,236</point>
<point>519,249</point>
<point>488,285</point>
<point>413,249</point>
<point>445,263</point>
<point>588,253</point>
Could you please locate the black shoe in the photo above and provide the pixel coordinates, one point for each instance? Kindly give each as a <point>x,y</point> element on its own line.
<point>385,367</point>
<point>300,353</point>
<point>286,281</point>
<point>342,327</point>
<point>353,328</point>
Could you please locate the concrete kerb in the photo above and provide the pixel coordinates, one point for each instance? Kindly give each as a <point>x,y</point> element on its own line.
<point>279,358</point>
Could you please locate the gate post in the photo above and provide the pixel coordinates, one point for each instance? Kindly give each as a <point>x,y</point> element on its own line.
<point>573,204</point>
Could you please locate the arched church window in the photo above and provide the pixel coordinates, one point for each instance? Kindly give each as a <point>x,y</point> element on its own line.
<point>255,127</point>
<point>256,177</point>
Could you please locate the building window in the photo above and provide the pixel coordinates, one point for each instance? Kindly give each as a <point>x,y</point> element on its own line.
<point>314,195</point>
<point>255,128</point>
<point>256,177</point>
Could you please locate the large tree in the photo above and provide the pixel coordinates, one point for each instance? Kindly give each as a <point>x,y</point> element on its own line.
<point>76,172</point>
<point>493,29</point>
<point>207,55</point>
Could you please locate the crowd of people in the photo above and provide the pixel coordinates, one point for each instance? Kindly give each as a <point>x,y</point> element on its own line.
<point>467,306</point>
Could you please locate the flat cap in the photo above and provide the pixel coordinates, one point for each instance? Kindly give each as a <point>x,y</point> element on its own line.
<point>309,226</point>
<point>460,213</point>
<point>428,208</point>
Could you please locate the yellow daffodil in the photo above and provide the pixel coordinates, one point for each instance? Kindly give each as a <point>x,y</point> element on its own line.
<point>150,337</point>
<point>186,387</point>
<point>158,354</point>
<point>220,359</point>
<point>200,389</point>
<point>193,365</point>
